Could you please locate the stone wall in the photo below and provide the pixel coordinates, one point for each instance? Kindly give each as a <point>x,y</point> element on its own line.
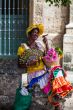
<point>53,18</point>
<point>58,18</point>
<point>10,76</point>
<point>68,43</point>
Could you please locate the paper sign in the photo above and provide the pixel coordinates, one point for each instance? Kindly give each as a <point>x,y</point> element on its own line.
<point>24,80</point>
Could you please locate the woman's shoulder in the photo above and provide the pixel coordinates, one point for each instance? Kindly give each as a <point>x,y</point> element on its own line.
<point>25,45</point>
<point>21,49</point>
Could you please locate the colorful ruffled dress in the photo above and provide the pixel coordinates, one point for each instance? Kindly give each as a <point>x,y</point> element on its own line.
<point>57,87</point>
<point>36,73</point>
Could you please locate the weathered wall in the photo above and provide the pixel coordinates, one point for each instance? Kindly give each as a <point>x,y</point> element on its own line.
<point>53,18</point>
<point>68,43</point>
<point>10,76</point>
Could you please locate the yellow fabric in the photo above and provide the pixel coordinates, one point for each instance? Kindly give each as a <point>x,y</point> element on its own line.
<point>39,66</point>
<point>20,51</point>
<point>39,26</point>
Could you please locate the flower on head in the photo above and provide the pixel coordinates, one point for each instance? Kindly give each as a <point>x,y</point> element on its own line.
<point>59,51</point>
<point>51,55</point>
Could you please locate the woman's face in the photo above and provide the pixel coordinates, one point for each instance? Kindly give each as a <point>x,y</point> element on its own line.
<point>34,34</point>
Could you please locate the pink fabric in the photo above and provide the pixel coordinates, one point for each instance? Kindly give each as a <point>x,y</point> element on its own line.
<point>51,55</point>
<point>47,88</point>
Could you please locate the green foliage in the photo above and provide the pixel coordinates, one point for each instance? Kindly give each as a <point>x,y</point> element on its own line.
<point>59,2</point>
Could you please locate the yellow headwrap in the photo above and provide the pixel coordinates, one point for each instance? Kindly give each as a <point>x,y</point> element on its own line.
<point>39,26</point>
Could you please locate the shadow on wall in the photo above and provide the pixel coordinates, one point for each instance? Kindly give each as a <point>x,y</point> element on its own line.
<point>67,57</point>
<point>58,41</point>
<point>68,61</point>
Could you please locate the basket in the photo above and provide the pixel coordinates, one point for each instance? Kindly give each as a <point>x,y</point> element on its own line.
<point>30,54</point>
<point>22,102</point>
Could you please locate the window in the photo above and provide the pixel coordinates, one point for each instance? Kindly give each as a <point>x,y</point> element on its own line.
<point>13,24</point>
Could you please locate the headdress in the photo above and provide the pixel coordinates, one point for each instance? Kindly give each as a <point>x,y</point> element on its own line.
<point>38,26</point>
<point>51,55</point>
<point>59,51</point>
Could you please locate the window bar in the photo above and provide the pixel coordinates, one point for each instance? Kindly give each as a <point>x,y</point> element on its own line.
<point>0,8</point>
<point>0,24</point>
<point>13,27</point>
<point>18,8</point>
<point>22,15</point>
<point>27,7</point>
<point>5,28</point>
<point>26,4</point>
<point>22,8</point>
<point>13,7</point>
<point>13,24</point>
<point>9,25</point>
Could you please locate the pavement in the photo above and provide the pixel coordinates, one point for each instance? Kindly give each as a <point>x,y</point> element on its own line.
<point>68,104</point>
<point>70,76</point>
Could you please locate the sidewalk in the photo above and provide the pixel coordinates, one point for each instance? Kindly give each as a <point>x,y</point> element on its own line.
<point>70,76</point>
<point>68,105</point>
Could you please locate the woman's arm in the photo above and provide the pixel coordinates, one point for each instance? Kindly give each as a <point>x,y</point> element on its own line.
<point>45,42</point>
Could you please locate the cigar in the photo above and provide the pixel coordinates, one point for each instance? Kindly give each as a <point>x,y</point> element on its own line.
<point>44,35</point>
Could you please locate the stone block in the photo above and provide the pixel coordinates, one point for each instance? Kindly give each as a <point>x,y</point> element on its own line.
<point>39,9</point>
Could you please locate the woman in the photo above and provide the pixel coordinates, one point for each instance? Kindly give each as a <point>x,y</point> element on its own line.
<point>58,87</point>
<point>30,55</point>
<point>34,65</point>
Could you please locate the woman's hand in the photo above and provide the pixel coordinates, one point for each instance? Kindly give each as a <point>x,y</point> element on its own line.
<point>45,42</point>
<point>45,39</point>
